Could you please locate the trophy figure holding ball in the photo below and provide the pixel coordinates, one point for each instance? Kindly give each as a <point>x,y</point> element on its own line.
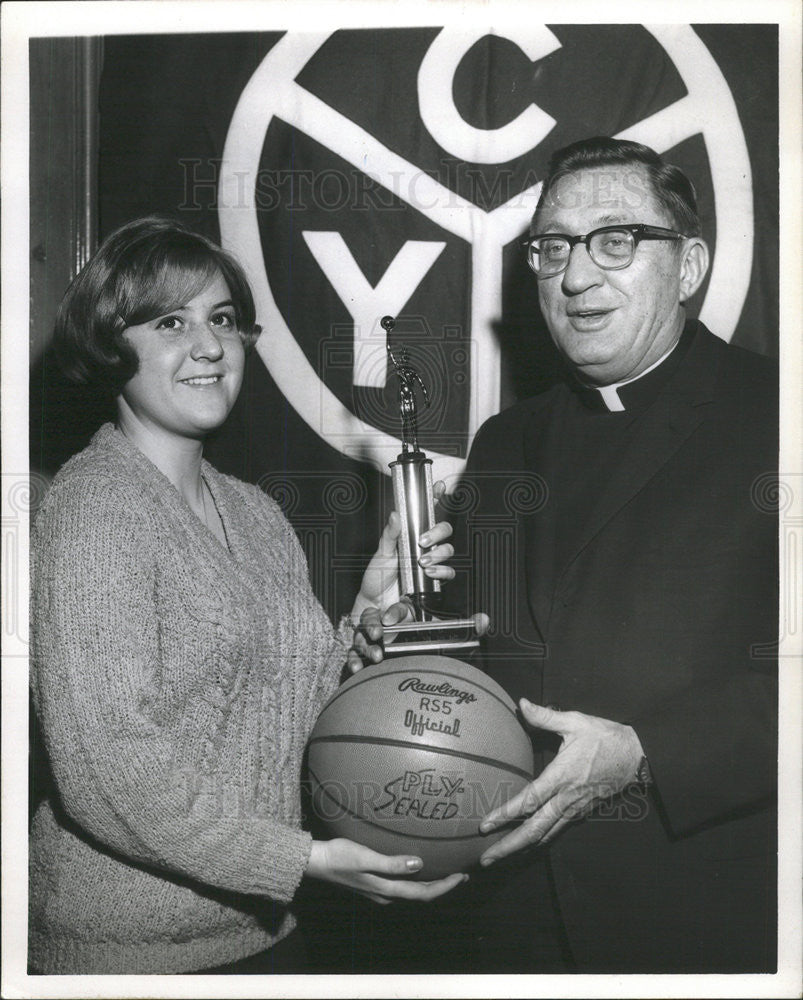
<point>415,503</point>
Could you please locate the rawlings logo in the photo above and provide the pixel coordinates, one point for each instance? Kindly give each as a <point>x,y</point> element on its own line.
<point>445,690</point>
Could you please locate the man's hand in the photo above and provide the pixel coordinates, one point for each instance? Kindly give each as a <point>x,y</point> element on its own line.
<point>598,759</point>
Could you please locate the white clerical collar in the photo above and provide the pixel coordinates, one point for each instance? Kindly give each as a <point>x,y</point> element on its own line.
<point>610,394</point>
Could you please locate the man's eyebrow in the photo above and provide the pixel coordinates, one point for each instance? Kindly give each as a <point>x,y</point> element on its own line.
<point>600,221</point>
<point>609,220</point>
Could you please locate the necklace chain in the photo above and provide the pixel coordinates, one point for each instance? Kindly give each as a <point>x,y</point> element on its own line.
<point>219,531</point>
<point>204,489</point>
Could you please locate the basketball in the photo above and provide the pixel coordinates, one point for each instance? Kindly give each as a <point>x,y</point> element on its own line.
<point>408,756</point>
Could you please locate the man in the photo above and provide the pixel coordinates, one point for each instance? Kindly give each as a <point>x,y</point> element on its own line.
<point>643,603</point>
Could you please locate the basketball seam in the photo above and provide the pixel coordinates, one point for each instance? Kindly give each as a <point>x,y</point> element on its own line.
<point>388,742</point>
<point>439,673</point>
<point>385,829</point>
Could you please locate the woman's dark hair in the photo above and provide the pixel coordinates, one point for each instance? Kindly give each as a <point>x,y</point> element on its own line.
<point>140,272</point>
<point>670,187</point>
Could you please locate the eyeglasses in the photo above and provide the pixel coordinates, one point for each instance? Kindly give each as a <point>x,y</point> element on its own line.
<point>611,247</point>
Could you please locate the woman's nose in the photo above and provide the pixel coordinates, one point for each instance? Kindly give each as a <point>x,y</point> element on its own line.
<point>205,343</point>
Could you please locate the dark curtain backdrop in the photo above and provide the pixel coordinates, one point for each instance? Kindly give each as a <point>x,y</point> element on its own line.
<point>166,108</point>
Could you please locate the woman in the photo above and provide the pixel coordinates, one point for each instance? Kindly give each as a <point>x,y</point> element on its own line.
<point>179,656</point>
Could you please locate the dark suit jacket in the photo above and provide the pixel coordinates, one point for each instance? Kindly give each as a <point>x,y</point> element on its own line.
<point>664,616</point>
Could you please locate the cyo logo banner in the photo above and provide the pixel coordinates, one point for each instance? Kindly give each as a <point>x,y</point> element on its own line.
<point>406,194</point>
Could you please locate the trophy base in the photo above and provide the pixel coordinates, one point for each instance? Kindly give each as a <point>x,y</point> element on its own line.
<point>444,637</point>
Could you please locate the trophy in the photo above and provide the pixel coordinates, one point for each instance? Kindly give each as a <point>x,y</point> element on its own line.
<point>430,632</point>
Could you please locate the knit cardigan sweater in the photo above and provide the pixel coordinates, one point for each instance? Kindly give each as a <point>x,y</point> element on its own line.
<point>176,684</point>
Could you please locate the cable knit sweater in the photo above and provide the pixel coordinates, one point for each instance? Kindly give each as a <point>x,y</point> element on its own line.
<point>176,684</point>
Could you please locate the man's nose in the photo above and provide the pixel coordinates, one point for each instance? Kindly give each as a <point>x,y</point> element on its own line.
<point>581,271</point>
<point>205,343</point>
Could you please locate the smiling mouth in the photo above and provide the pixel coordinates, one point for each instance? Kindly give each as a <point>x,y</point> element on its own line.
<point>201,380</point>
<point>589,320</point>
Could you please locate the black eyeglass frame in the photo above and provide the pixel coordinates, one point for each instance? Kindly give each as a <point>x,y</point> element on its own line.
<point>638,230</point>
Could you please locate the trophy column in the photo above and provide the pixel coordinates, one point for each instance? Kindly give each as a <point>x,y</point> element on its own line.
<point>414,499</point>
<point>412,491</point>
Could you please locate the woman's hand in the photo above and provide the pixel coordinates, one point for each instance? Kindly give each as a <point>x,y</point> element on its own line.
<point>378,602</point>
<point>380,583</point>
<point>378,876</point>
<point>368,635</point>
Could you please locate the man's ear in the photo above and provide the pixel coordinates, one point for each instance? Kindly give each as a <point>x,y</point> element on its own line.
<point>693,266</point>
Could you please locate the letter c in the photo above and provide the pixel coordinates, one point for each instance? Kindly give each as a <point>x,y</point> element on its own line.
<point>444,122</point>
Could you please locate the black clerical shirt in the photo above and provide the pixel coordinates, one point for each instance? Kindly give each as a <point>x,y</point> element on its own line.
<point>584,428</point>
